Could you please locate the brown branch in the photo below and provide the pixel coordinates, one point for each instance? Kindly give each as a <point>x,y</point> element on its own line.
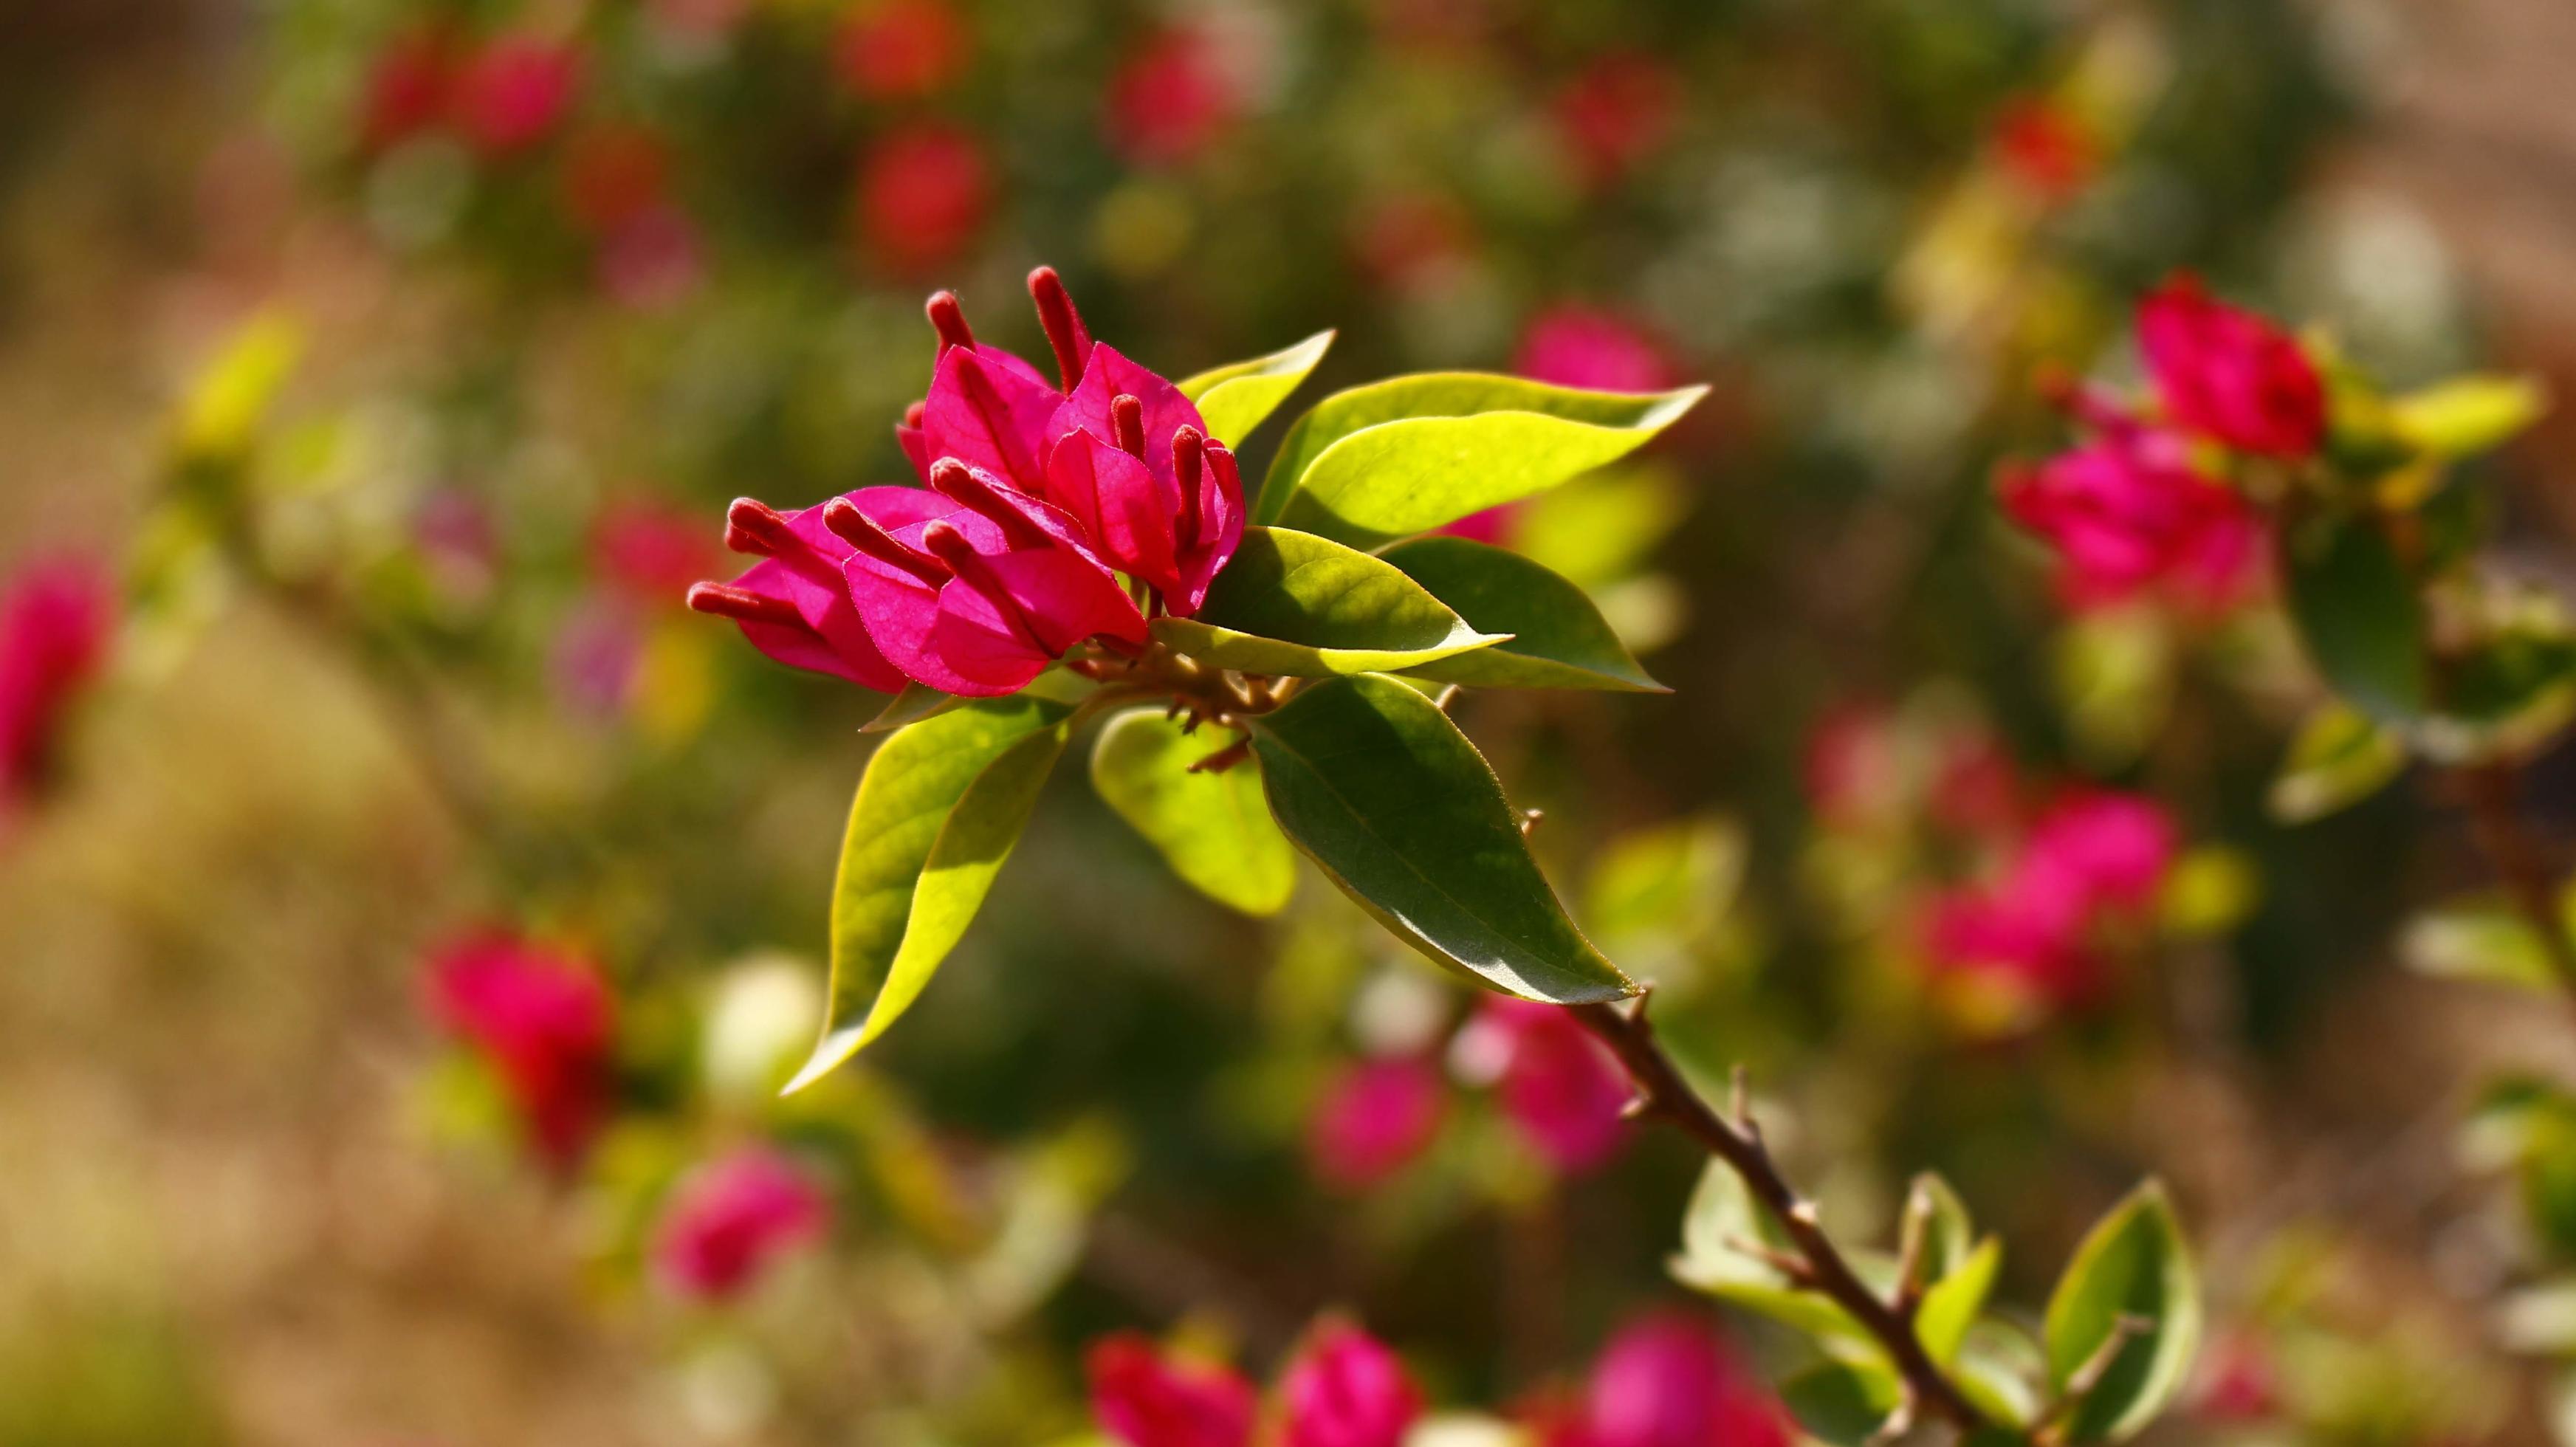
<point>2521,861</point>
<point>1666,1094</point>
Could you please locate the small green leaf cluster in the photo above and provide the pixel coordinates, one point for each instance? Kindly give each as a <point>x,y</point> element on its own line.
<point>1323,658</point>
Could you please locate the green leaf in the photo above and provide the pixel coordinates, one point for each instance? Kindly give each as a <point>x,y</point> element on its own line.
<point>937,812</point>
<point>2359,613</point>
<point>1235,398</point>
<point>2132,1267</point>
<point>1293,603</point>
<point>1678,880</point>
<point>1724,1238</point>
<point>1409,454</point>
<point>2469,415</point>
<point>1378,787</point>
<point>2483,939</point>
<point>1214,829</point>
<point>1951,1304</point>
<point>1557,638</point>
<point>2338,759</point>
<point>1999,1368</point>
<point>1842,1403</point>
<point>1599,528</point>
<point>918,701</point>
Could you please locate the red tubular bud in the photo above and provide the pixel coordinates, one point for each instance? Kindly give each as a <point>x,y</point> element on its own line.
<point>949,320</point>
<point>1127,417</point>
<point>961,484</point>
<point>1064,329</point>
<point>756,528</point>
<point>1189,458</point>
<point>863,533</point>
<point>724,600</point>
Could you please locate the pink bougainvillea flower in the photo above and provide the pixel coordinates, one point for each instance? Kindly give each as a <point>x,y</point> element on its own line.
<point>731,1218</point>
<point>1668,1381</point>
<point>55,618</point>
<point>1143,1397</point>
<point>1345,1389</point>
<point>543,1019</point>
<point>514,91</point>
<point>1618,111</point>
<point>1576,346</point>
<point>1374,1119</point>
<point>651,259</point>
<point>902,49</point>
<point>1560,1088</point>
<point>925,190</point>
<point>2094,856</point>
<point>1037,492</point>
<point>2044,147</point>
<point>1170,99</point>
<point>649,551</point>
<point>407,90</point>
<point>2117,848</point>
<point>2130,514</point>
<point>2229,374</point>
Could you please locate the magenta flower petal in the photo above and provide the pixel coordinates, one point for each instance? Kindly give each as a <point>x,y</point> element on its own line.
<point>989,409</point>
<point>1144,1398</point>
<point>544,1020</point>
<point>1108,376</point>
<point>731,1218</point>
<point>1346,1389</point>
<point>2230,374</point>
<point>1667,1381</point>
<point>1128,511</point>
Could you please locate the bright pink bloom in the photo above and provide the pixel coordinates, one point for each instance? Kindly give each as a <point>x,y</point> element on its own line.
<point>2129,514</point>
<point>1144,1398</point>
<point>1170,99</point>
<point>544,1021</point>
<point>924,193</point>
<point>1345,1389</point>
<point>2092,857</point>
<point>2117,847</point>
<point>1617,112</point>
<point>55,620</point>
<point>1374,1120</point>
<point>1667,1381</point>
<point>2230,374</point>
<point>731,1217</point>
<point>1574,346</point>
<point>903,49</point>
<point>2039,144</point>
<point>515,91</point>
<point>1563,1090</point>
<point>649,551</point>
<point>407,89</point>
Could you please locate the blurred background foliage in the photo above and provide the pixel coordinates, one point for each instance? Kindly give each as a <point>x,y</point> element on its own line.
<point>403,353</point>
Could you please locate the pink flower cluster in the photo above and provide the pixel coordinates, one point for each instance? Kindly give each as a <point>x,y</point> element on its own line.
<point>55,618</point>
<point>2092,860</point>
<point>501,96</point>
<point>2133,511</point>
<point>1171,99</point>
<point>1343,1388</point>
<point>1562,1092</point>
<point>1038,496</point>
<point>1662,1381</point>
<point>728,1220</point>
<point>545,1022</point>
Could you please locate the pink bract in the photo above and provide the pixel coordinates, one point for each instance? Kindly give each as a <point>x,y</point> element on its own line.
<point>1345,1389</point>
<point>1560,1088</point>
<point>1143,1397</point>
<point>731,1218</point>
<point>543,1019</point>
<point>2231,375</point>
<point>1374,1119</point>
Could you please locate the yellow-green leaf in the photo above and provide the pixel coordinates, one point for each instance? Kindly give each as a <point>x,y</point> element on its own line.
<point>1213,828</point>
<point>1234,399</point>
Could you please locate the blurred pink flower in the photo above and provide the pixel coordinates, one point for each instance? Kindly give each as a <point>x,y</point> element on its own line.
<point>650,259</point>
<point>2117,847</point>
<point>2044,147</point>
<point>1618,111</point>
<point>650,551</point>
<point>2094,856</point>
<point>2130,514</point>
<point>1562,1089</point>
<point>55,619</point>
<point>731,1217</point>
<point>2239,1381</point>
<point>925,190</point>
<point>1668,1381</point>
<point>1143,1397</point>
<point>1170,99</point>
<point>597,654</point>
<point>514,91</point>
<point>1374,1119</point>
<point>903,49</point>
<point>543,1019</point>
<point>1345,1389</point>
<point>1575,346</point>
<point>408,88</point>
<point>2230,374</point>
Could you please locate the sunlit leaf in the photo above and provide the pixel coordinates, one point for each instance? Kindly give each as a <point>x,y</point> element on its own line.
<point>1409,454</point>
<point>2338,759</point>
<point>1213,828</point>
<point>2132,1276</point>
<point>1292,603</point>
<point>2469,415</point>
<point>937,812</point>
<point>1557,638</point>
<point>2483,939</point>
<point>1377,786</point>
<point>1235,398</point>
